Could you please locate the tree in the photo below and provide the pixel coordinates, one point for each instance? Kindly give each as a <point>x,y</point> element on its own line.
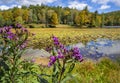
<point>77,19</point>
<point>99,21</point>
<point>34,18</point>
<point>19,20</point>
<point>8,17</point>
<point>54,19</point>
<point>65,16</point>
<point>17,12</point>
<point>2,22</point>
<point>85,16</point>
<point>92,21</point>
<point>25,15</point>
<point>95,18</point>
<point>30,19</point>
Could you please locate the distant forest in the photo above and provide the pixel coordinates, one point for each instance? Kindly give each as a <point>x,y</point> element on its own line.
<point>42,14</point>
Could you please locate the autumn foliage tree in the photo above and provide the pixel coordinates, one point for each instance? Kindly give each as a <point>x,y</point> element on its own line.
<point>54,19</point>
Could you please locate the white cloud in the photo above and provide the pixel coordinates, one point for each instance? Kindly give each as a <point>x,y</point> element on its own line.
<point>78,5</point>
<point>103,7</point>
<point>101,1</point>
<point>116,2</point>
<point>34,2</point>
<point>4,7</point>
<point>22,2</point>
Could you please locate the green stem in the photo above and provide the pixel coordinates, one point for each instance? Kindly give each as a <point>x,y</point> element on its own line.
<point>62,71</point>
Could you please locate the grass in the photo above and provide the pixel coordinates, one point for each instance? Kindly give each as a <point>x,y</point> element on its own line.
<point>70,35</point>
<point>89,71</point>
<point>103,71</point>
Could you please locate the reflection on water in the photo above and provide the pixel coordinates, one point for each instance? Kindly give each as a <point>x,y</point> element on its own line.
<point>100,48</point>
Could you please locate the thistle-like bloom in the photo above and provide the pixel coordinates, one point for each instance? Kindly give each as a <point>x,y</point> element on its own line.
<point>60,55</point>
<point>11,35</point>
<point>56,41</point>
<point>52,60</point>
<point>61,46</point>
<point>7,29</point>
<point>77,55</point>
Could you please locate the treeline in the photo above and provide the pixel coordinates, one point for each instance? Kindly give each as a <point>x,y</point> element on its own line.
<point>112,18</point>
<point>52,16</point>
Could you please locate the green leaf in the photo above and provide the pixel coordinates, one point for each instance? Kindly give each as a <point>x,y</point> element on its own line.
<point>71,67</point>
<point>42,80</point>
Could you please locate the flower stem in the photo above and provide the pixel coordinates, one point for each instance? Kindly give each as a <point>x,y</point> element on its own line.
<point>62,71</point>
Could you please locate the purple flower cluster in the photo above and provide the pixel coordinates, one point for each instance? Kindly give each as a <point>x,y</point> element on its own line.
<point>58,44</point>
<point>7,29</point>
<point>63,52</point>
<point>11,35</point>
<point>52,60</point>
<point>16,36</point>
<point>56,41</point>
<point>60,55</point>
<point>6,33</point>
<point>76,54</point>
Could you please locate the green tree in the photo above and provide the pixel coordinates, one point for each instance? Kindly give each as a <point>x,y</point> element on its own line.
<point>30,19</point>
<point>77,19</point>
<point>19,20</point>
<point>8,17</point>
<point>65,16</point>
<point>17,12</point>
<point>25,15</point>
<point>2,21</point>
<point>34,18</point>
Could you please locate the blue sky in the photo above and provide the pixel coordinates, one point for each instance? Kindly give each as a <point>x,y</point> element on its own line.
<point>100,5</point>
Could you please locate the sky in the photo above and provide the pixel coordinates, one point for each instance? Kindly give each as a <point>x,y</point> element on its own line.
<point>93,5</point>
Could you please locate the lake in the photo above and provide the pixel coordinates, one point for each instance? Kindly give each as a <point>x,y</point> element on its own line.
<point>93,50</point>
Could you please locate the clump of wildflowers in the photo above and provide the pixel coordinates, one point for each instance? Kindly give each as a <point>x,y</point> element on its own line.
<point>60,57</point>
<point>19,34</point>
<point>14,41</point>
<point>63,52</point>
